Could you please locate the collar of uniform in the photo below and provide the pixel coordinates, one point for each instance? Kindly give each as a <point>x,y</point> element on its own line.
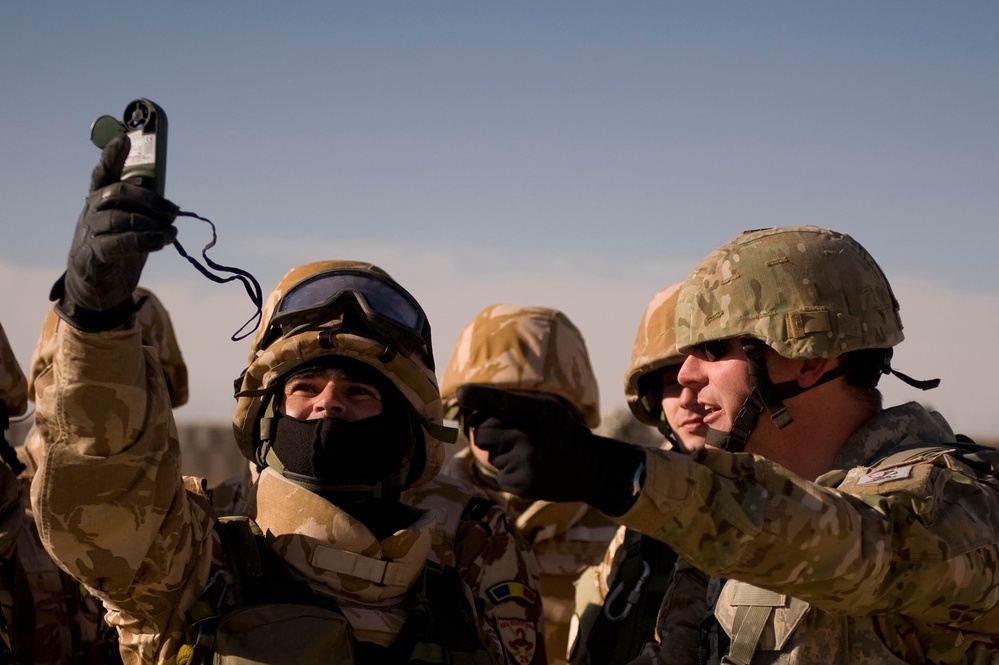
<point>905,423</point>
<point>333,549</point>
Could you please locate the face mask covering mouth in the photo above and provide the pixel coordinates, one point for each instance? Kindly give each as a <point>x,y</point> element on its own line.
<point>334,452</point>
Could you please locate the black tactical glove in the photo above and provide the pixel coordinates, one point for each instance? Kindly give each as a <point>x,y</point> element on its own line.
<point>542,452</point>
<point>120,224</point>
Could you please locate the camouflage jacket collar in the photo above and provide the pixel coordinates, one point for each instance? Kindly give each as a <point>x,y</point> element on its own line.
<point>899,425</point>
<point>333,549</point>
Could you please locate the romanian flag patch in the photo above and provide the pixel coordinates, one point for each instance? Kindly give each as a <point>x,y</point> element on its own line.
<point>512,591</point>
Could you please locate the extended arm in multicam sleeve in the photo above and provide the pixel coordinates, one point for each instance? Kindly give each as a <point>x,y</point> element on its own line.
<point>925,547</point>
<point>109,498</point>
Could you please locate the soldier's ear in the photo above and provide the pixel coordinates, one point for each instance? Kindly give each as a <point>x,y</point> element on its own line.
<point>811,370</point>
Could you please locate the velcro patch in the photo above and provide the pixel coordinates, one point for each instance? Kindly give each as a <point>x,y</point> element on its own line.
<point>512,591</point>
<point>914,479</point>
<point>520,638</point>
<point>886,475</point>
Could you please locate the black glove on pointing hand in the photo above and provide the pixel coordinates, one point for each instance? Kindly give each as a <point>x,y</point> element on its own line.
<point>542,452</point>
<point>120,224</point>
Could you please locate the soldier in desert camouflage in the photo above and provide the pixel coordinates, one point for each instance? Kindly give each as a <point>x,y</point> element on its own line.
<point>338,406</point>
<point>535,350</point>
<point>69,625</point>
<point>618,602</point>
<point>848,533</point>
<point>13,402</point>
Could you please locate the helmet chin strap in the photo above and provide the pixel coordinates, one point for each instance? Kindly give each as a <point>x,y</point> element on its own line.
<point>770,396</point>
<point>766,395</point>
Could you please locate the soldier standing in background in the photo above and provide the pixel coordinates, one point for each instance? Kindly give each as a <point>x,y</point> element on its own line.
<point>539,351</point>
<point>618,602</point>
<point>16,636</point>
<point>847,533</point>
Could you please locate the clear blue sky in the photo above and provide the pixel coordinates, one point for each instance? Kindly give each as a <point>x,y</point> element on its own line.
<point>572,154</point>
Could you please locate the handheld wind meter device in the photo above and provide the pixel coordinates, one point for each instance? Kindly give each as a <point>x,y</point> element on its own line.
<point>145,123</point>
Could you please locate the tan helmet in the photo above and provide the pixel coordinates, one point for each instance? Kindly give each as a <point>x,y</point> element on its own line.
<point>298,327</point>
<point>157,332</point>
<point>13,386</point>
<point>654,349</point>
<point>804,291</point>
<point>531,349</point>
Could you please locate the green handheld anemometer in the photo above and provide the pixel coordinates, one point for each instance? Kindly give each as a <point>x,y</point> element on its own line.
<point>146,125</point>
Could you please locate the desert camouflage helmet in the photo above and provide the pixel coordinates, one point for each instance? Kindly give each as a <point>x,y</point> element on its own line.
<point>283,344</point>
<point>13,386</point>
<point>654,349</point>
<point>157,332</point>
<point>804,291</point>
<point>532,349</point>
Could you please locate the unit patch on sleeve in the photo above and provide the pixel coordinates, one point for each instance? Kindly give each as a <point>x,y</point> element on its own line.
<point>512,591</point>
<point>886,475</point>
<point>520,638</point>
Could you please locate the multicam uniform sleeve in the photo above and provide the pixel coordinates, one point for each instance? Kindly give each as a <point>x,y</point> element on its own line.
<point>111,505</point>
<point>922,543</point>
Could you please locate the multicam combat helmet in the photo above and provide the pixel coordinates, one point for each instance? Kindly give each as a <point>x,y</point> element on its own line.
<point>157,332</point>
<point>654,349</point>
<point>803,291</point>
<point>350,309</point>
<point>530,349</point>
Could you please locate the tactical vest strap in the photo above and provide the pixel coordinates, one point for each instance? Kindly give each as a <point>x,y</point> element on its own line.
<point>754,608</point>
<point>441,626</point>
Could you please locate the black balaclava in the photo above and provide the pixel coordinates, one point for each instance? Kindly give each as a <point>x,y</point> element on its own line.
<point>352,464</point>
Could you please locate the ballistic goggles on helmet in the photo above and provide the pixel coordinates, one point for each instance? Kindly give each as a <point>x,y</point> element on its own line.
<point>365,302</point>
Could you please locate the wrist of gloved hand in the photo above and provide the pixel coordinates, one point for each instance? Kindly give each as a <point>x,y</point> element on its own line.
<point>614,471</point>
<point>117,317</point>
<point>541,451</point>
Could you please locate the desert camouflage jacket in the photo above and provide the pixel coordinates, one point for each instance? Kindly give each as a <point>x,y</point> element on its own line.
<point>892,559</point>
<point>115,512</point>
<point>474,536</point>
<point>567,538</point>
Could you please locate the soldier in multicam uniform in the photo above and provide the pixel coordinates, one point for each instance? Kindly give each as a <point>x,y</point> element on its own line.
<point>13,401</point>
<point>339,406</point>
<point>536,350</point>
<point>618,602</point>
<point>69,625</point>
<point>849,533</point>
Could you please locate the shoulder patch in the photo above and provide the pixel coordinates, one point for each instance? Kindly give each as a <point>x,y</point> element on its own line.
<point>520,639</point>
<point>512,591</point>
<point>914,479</point>
<point>885,475</point>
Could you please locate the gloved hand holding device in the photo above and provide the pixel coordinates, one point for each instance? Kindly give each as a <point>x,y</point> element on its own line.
<point>120,224</point>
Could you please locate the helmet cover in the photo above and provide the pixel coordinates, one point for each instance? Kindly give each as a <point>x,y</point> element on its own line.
<point>270,362</point>
<point>654,349</point>
<point>529,349</point>
<point>804,291</point>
